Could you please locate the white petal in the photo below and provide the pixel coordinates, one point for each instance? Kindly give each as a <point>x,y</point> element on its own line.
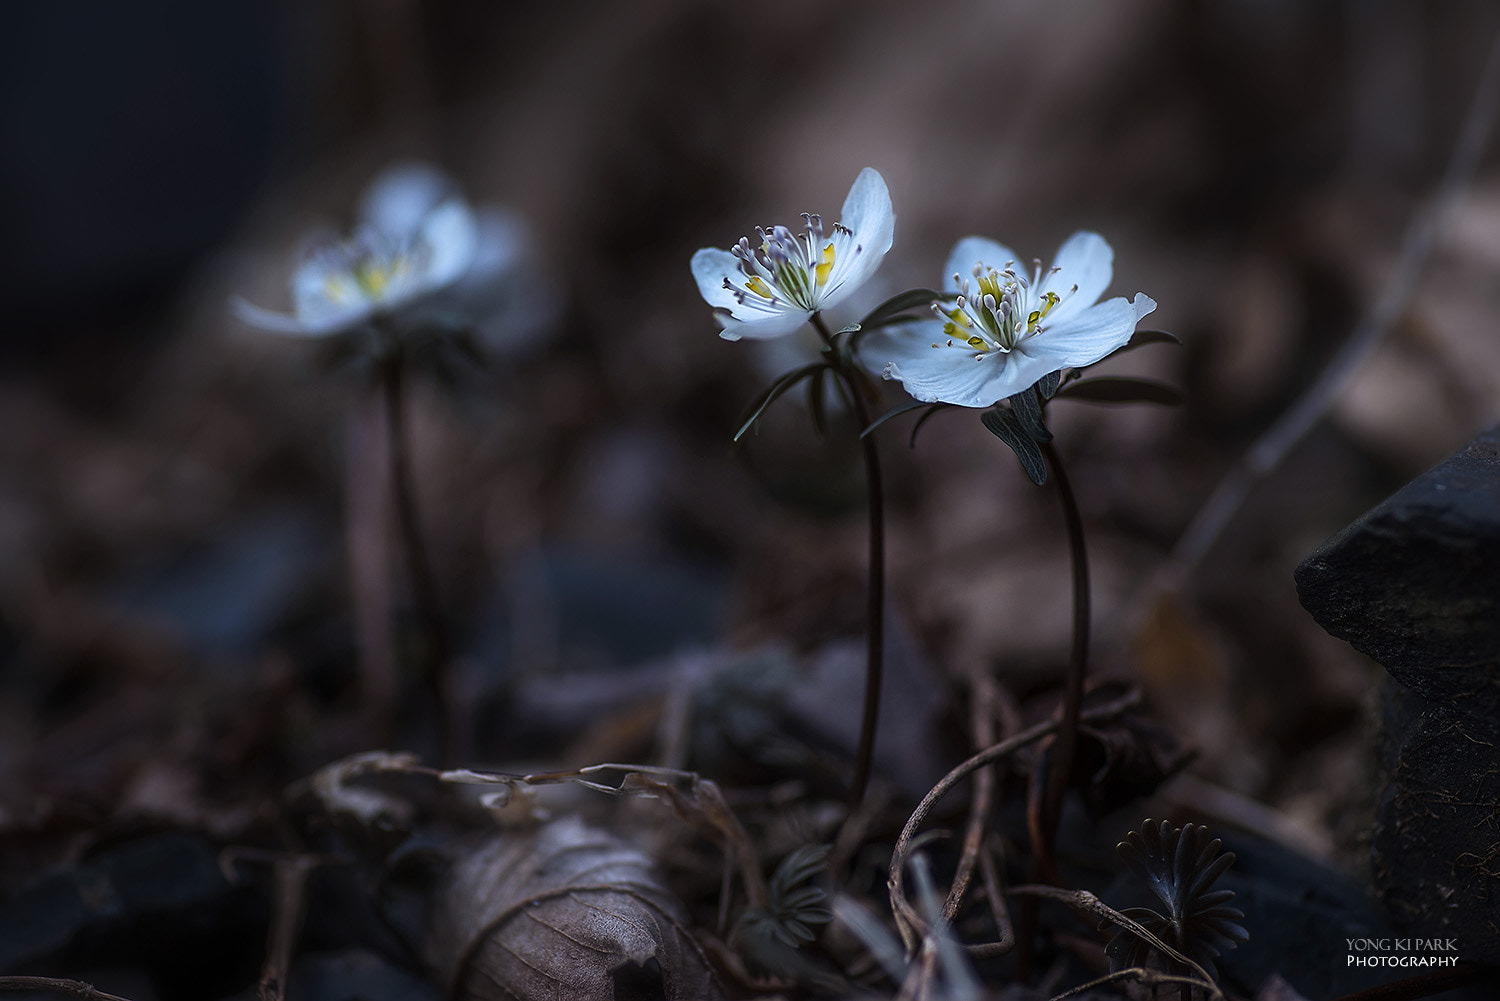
<point>1085,260</point>
<point>1090,335</point>
<point>710,267</point>
<point>969,251</point>
<point>399,199</point>
<point>772,325</point>
<point>867,213</point>
<point>867,209</point>
<point>943,374</point>
<point>500,245</point>
<point>265,319</point>
<point>452,235</point>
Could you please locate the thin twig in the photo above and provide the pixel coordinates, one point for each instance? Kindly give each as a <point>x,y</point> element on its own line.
<point>1006,941</point>
<point>290,874</point>
<point>982,728</point>
<point>1083,900</point>
<point>58,985</point>
<point>959,981</point>
<point>907,920</point>
<point>1416,246</point>
<point>864,755</point>
<point>702,805</point>
<point>1139,973</point>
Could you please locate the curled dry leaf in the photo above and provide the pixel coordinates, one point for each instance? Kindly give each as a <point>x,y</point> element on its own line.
<point>562,912</point>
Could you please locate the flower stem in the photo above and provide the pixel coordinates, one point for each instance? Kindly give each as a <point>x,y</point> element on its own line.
<point>1067,733</point>
<point>424,588</point>
<point>875,595</point>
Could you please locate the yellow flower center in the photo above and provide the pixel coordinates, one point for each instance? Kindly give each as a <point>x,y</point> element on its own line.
<point>1006,310</point>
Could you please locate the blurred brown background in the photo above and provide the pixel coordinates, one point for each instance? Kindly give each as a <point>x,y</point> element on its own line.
<point>174,622</point>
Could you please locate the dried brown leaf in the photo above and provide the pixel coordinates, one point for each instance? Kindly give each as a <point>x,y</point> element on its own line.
<point>562,911</point>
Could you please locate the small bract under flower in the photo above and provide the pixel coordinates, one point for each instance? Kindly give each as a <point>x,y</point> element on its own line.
<point>1006,328</point>
<point>416,238</point>
<point>770,288</point>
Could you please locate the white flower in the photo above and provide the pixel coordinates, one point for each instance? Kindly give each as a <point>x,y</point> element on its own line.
<point>771,289</point>
<point>415,238</point>
<point>1002,332</point>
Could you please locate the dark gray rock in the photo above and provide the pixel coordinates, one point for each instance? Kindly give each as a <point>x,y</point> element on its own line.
<point>158,904</point>
<point>1415,584</point>
<point>1435,849</point>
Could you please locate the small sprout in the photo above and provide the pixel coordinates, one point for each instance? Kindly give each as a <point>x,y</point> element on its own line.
<point>1179,864</point>
<point>794,904</point>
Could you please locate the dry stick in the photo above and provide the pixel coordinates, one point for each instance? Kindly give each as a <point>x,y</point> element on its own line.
<point>907,920</point>
<point>982,722</point>
<point>1083,900</point>
<point>424,590</point>
<point>875,596</point>
<point>1416,245</point>
<point>1139,973</point>
<point>1007,940</point>
<point>290,875</point>
<point>704,802</point>
<point>57,985</point>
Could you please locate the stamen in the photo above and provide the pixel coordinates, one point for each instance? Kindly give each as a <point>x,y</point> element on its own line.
<point>825,266</point>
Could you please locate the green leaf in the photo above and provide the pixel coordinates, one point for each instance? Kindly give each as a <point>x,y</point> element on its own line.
<point>1048,385</point>
<point>905,408</point>
<point>1121,389</point>
<point>1140,339</point>
<point>1143,337</point>
<point>800,866</point>
<point>1005,425</point>
<point>1028,413</point>
<point>891,310</point>
<point>932,408</point>
<point>815,401</point>
<point>769,395</point>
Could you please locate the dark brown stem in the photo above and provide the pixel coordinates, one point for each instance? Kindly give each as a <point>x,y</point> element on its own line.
<point>1078,663</point>
<point>424,588</point>
<point>864,755</point>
